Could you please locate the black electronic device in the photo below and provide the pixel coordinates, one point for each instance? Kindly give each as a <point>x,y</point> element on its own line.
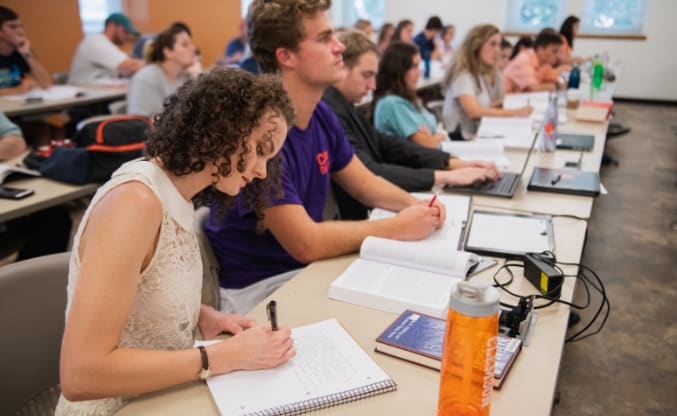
<point>540,271</point>
<point>14,193</point>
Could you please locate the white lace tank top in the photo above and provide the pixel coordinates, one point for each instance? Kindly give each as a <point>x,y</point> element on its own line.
<point>166,308</point>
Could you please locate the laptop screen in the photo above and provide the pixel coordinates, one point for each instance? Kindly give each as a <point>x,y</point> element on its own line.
<point>531,149</point>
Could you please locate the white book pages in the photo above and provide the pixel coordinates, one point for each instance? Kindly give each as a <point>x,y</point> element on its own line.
<point>490,151</point>
<point>511,132</point>
<point>329,368</point>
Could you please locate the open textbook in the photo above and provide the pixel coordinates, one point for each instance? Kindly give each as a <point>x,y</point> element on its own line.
<point>395,275</point>
<point>329,369</point>
<point>511,132</point>
<point>55,92</point>
<point>7,170</point>
<point>490,150</point>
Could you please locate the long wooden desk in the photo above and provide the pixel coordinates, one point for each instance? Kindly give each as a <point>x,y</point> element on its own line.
<point>48,193</point>
<point>91,94</point>
<point>529,388</point>
<point>548,202</point>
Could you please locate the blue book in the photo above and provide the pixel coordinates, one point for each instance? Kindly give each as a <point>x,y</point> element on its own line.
<point>419,338</point>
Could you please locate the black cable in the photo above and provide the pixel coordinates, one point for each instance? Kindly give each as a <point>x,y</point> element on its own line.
<point>585,280</point>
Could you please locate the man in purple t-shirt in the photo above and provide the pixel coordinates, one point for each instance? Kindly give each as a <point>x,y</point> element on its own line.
<point>309,59</point>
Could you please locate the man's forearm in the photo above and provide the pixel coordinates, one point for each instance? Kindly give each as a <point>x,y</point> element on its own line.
<point>38,72</point>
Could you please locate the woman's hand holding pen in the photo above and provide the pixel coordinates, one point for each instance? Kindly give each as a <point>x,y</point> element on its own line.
<point>260,347</point>
<point>523,111</point>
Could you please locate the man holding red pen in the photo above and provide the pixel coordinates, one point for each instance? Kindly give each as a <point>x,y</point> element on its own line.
<point>296,40</point>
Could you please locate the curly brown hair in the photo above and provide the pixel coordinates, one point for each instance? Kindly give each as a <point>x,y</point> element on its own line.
<point>208,120</point>
<point>273,24</point>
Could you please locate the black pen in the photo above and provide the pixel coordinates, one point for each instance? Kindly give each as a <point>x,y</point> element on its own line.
<point>271,309</point>
<point>555,180</point>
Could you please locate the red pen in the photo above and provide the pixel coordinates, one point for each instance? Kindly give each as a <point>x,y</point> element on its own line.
<point>432,201</point>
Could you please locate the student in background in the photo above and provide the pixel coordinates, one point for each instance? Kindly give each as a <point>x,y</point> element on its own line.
<point>137,247</point>
<point>404,32</point>
<point>143,42</point>
<point>40,233</point>
<point>299,44</point>
<point>406,164</point>
<point>99,57</point>
<point>425,40</point>
<point>365,27</point>
<point>236,50</point>
<point>396,108</point>
<point>384,36</point>
<point>523,43</point>
<point>532,69</point>
<point>12,143</point>
<point>568,32</point>
<point>443,44</point>
<point>20,70</point>
<point>171,54</point>
<point>504,55</point>
<point>474,85</point>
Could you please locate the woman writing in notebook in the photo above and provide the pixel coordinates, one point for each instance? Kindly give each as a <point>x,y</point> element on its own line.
<point>135,274</point>
<point>474,86</point>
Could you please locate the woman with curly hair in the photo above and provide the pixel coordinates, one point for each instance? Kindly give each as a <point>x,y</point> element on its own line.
<point>135,273</point>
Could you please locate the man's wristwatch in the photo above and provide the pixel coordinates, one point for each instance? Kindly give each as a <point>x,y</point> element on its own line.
<point>204,371</point>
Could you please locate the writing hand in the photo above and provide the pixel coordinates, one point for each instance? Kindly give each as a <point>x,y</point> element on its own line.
<point>417,222</point>
<point>259,347</point>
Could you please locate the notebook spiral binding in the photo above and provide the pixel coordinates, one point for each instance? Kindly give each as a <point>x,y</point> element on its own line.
<point>336,399</point>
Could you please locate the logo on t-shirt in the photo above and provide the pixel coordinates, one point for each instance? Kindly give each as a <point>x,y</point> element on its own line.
<point>10,77</point>
<point>323,162</point>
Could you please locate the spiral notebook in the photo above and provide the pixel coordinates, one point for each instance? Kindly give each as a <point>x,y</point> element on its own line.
<point>329,369</point>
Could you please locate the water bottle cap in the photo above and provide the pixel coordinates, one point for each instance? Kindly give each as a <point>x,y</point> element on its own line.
<point>474,299</point>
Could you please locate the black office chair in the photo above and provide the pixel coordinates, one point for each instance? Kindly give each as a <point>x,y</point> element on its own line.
<point>32,317</point>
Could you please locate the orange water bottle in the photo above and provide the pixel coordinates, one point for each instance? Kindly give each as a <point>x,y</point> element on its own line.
<point>467,374</point>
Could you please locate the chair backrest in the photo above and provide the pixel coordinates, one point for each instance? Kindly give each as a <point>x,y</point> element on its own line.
<point>118,107</point>
<point>436,107</point>
<point>32,317</point>
<point>210,266</point>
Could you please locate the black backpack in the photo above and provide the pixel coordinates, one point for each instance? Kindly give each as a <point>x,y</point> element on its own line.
<point>96,151</point>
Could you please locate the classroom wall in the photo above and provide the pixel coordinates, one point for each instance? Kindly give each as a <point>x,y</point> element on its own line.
<point>647,67</point>
<point>213,22</point>
<point>53,27</point>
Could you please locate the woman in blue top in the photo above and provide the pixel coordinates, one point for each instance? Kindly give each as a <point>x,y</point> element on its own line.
<point>396,108</point>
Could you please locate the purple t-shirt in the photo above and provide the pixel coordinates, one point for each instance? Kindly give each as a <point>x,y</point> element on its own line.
<point>309,156</point>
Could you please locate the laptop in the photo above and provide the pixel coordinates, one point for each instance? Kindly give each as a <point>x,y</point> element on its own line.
<point>503,188</point>
<point>571,141</point>
<point>565,181</point>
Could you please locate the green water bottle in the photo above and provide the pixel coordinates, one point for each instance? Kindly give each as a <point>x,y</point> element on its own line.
<point>597,73</point>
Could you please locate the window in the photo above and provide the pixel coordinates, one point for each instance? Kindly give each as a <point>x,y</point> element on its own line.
<point>534,15</point>
<point>345,13</point>
<point>618,17</point>
<point>245,6</point>
<point>93,13</point>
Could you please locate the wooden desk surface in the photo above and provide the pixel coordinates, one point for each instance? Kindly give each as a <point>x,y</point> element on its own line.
<point>304,300</point>
<point>91,95</point>
<point>548,202</point>
<point>48,193</point>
